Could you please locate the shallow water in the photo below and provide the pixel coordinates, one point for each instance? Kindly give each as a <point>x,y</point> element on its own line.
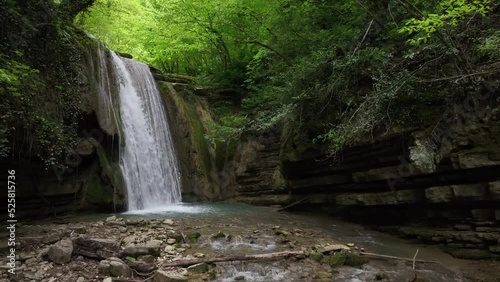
<point>251,231</point>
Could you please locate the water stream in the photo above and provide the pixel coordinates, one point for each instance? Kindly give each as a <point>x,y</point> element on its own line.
<point>147,156</point>
<point>251,230</point>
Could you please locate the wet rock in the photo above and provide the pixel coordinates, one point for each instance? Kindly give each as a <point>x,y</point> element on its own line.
<point>61,252</point>
<point>198,268</point>
<point>281,232</point>
<point>239,278</point>
<point>169,276</point>
<point>381,276</point>
<point>114,267</point>
<point>219,235</point>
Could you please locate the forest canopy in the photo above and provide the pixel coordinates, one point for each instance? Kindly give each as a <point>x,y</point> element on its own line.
<point>334,71</point>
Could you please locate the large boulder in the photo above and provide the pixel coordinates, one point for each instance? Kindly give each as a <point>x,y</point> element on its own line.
<point>114,267</point>
<point>61,252</point>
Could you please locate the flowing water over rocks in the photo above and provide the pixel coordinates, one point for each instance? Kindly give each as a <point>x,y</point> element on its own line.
<point>134,245</point>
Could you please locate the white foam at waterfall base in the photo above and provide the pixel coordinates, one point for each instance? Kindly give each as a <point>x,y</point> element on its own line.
<point>147,156</point>
<point>178,208</point>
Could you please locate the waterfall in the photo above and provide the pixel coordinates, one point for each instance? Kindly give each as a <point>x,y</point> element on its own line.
<point>147,159</point>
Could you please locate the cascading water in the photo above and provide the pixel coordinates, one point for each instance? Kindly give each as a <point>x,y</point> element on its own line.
<point>147,160</point>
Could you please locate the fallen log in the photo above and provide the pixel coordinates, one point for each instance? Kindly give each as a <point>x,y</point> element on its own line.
<point>270,256</point>
<point>393,257</point>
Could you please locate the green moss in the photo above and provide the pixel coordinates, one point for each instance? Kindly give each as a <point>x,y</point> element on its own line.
<point>344,258</point>
<point>193,237</point>
<point>219,234</point>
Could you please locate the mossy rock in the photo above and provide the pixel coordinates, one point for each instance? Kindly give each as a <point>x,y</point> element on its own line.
<point>193,237</point>
<point>219,235</point>
<point>316,256</point>
<point>344,258</point>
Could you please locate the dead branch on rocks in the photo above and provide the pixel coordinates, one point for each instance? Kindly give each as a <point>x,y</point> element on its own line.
<point>294,204</point>
<point>393,257</point>
<point>185,263</point>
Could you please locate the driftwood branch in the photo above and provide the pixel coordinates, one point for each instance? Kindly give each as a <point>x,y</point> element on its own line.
<point>393,257</point>
<point>294,204</point>
<point>270,256</point>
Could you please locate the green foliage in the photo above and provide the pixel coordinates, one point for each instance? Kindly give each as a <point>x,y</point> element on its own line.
<point>337,72</point>
<point>447,13</point>
<point>39,59</point>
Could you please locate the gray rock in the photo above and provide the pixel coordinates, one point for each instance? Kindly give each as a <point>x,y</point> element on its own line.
<point>168,222</point>
<point>169,276</point>
<point>169,249</point>
<point>198,268</point>
<point>494,190</point>
<point>111,218</point>
<point>147,259</point>
<point>107,279</point>
<point>171,241</point>
<point>61,252</point>
<point>151,248</point>
<point>333,248</point>
<point>114,267</point>
<point>79,229</point>
<point>470,191</point>
<point>51,238</point>
<point>80,279</point>
<point>440,194</point>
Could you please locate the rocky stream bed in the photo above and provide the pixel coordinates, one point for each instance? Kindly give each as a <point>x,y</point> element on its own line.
<point>142,248</point>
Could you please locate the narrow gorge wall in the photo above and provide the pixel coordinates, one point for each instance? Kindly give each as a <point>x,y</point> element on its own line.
<point>89,178</point>
<point>455,204</point>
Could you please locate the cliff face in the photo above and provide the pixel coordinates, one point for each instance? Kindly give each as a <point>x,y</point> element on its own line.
<point>89,178</point>
<point>455,203</point>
